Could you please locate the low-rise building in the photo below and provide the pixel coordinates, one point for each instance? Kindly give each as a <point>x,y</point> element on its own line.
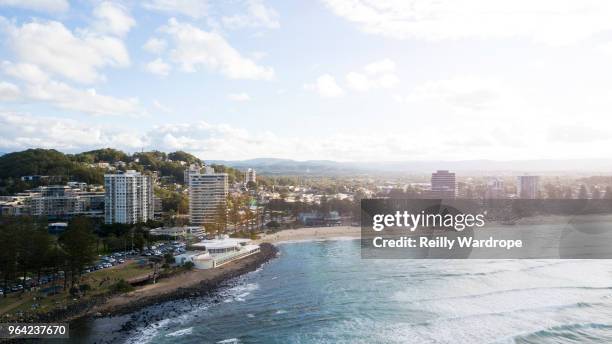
<point>179,232</point>
<point>13,206</point>
<point>63,201</point>
<point>209,254</point>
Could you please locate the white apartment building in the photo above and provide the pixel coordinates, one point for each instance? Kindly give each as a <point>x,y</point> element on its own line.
<point>250,176</point>
<point>207,194</point>
<point>192,169</point>
<point>128,197</point>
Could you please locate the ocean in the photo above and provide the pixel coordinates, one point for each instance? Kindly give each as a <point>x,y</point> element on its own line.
<point>323,292</point>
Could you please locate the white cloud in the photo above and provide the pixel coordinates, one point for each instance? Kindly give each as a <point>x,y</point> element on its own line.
<point>53,47</point>
<point>462,93</point>
<point>577,133</point>
<point>9,91</point>
<point>190,8</point>
<point>39,87</point>
<point>53,6</point>
<point>221,141</point>
<point>378,74</point>
<point>357,81</point>
<point>86,101</point>
<point>325,86</point>
<point>195,48</point>
<point>155,45</point>
<point>158,67</point>
<point>546,21</point>
<point>25,71</point>
<point>258,15</point>
<point>456,138</point>
<point>112,18</point>
<point>380,67</point>
<point>20,131</point>
<point>239,97</point>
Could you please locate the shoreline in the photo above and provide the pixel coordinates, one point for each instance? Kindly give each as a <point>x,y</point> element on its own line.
<point>311,234</point>
<point>203,282</point>
<point>191,283</point>
<point>196,283</point>
<point>188,284</point>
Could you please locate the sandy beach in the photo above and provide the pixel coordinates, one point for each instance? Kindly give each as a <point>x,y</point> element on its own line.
<point>312,233</point>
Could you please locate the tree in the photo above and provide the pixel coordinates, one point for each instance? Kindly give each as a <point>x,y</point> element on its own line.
<point>79,245</point>
<point>251,185</point>
<point>42,246</point>
<point>184,156</point>
<point>8,252</point>
<point>220,224</point>
<point>169,258</point>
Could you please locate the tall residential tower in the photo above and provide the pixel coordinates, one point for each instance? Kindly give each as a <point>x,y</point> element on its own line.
<point>128,197</point>
<point>207,196</point>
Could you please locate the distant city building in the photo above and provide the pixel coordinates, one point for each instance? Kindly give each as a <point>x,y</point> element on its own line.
<point>495,188</point>
<point>207,195</point>
<point>128,197</point>
<point>250,176</point>
<point>528,187</point>
<point>443,184</point>
<point>192,169</point>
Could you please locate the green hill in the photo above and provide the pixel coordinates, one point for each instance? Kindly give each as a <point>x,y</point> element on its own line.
<point>78,167</point>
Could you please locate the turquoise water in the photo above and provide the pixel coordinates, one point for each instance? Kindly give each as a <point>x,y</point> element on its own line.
<point>323,292</point>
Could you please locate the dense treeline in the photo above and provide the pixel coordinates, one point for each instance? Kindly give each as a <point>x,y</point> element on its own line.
<point>123,237</point>
<point>105,154</point>
<point>28,251</point>
<point>62,167</point>
<point>234,175</point>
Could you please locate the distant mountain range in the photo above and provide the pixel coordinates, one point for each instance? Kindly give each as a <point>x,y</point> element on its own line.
<point>272,166</point>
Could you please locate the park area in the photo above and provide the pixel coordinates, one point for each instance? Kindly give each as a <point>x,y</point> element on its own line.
<point>52,296</point>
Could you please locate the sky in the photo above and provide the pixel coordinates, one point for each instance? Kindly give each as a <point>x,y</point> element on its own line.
<point>345,80</point>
